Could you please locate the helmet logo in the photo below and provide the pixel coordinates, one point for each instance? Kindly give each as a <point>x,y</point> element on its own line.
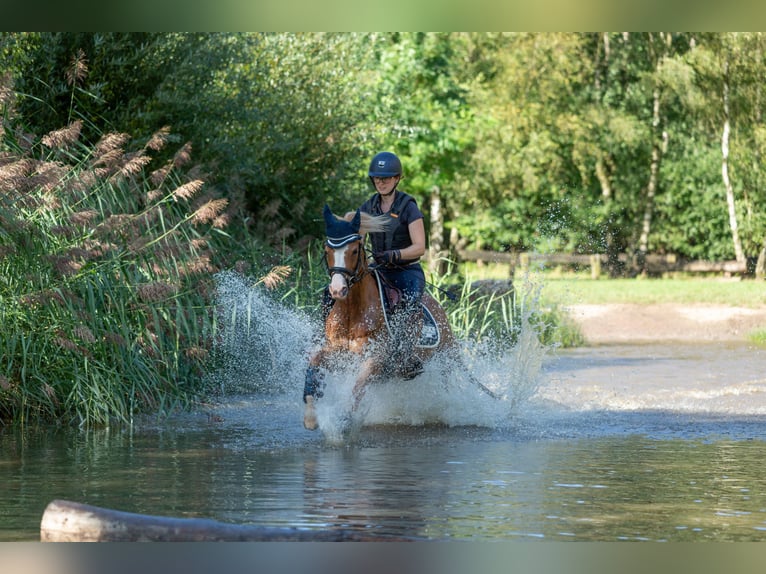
<point>382,163</point>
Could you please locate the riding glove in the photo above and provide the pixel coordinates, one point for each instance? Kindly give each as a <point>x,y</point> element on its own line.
<point>387,257</point>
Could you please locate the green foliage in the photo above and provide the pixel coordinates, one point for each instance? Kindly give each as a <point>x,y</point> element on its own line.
<point>422,112</point>
<point>758,337</point>
<point>534,140</point>
<point>103,79</point>
<point>278,114</point>
<point>699,226</point>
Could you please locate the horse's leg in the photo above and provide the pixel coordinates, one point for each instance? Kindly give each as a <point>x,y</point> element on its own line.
<point>407,323</point>
<point>310,414</point>
<point>369,367</point>
<point>312,390</point>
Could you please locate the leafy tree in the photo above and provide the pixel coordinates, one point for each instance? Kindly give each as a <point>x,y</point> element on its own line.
<point>523,183</point>
<point>274,116</point>
<point>727,80</point>
<point>572,141</point>
<point>422,113</point>
<point>278,113</point>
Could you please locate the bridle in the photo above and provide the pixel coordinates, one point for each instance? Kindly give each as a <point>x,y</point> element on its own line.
<point>350,276</point>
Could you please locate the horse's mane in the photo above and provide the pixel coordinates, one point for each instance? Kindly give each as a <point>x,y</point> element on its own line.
<point>370,223</point>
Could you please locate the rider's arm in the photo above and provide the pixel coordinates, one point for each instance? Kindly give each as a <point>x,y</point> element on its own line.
<point>418,237</point>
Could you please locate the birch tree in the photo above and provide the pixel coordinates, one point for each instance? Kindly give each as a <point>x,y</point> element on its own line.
<point>658,50</point>
<point>716,63</point>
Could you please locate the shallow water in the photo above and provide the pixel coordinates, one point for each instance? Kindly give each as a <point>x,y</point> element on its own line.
<point>633,442</point>
<point>648,442</point>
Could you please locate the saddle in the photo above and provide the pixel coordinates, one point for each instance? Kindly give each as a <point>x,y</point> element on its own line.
<point>391,296</point>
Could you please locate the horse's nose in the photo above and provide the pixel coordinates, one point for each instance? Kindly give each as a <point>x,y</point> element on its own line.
<point>339,292</point>
<point>338,287</point>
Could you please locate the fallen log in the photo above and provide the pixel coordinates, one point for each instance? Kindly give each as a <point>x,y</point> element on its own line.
<point>65,521</point>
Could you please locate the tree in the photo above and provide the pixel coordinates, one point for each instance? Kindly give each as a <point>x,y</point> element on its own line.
<point>423,115</point>
<point>273,116</point>
<point>727,77</point>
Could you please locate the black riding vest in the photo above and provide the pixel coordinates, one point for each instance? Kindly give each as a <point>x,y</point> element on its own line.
<point>397,236</point>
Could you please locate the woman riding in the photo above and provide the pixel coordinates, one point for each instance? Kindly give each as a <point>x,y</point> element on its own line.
<point>397,254</point>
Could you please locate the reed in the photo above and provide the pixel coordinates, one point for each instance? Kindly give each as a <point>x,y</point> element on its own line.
<point>105,264</point>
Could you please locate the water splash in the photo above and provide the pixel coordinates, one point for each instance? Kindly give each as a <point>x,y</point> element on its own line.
<point>264,347</point>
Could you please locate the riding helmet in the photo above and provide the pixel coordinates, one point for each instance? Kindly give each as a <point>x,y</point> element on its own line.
<point>385,164</point>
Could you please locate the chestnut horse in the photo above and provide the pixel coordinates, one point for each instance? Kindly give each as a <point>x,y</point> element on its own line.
<point>357,319</point>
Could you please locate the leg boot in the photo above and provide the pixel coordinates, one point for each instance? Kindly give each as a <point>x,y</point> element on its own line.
<point>312,390</point>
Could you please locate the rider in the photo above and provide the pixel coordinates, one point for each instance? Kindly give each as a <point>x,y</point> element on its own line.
<point>397,255</point>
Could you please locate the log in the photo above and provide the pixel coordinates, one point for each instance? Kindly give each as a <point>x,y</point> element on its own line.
<point>66,521</point>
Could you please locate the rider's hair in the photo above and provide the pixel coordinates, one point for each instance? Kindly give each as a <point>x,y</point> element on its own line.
<point>371,223</point>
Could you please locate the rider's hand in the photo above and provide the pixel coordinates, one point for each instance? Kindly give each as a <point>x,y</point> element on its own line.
<point>386,257</point>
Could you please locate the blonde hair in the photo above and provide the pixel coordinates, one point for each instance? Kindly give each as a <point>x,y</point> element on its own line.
<point>370,223</point>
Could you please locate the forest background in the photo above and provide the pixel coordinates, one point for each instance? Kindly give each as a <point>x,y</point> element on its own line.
<point>225,147</point>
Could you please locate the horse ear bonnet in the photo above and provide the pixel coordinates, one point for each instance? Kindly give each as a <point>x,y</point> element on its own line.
<point>339,231</point>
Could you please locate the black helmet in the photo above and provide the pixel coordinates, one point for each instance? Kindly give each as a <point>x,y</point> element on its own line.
<point>385,164</point>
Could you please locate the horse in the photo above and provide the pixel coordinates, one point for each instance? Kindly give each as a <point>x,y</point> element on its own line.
<point>357,321</point>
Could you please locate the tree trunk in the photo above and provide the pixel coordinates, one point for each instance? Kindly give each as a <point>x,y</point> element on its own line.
<point>436,253</point>
<point>738,251</point>
<point>612,252</point>
<point>65,521</point>
<point>651,188</point>
<point>603,174</point>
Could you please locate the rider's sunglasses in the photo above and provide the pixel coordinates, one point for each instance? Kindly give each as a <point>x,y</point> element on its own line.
<point>383,179</point>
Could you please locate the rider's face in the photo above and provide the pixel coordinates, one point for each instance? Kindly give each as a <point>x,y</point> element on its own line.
<point>385,185</point>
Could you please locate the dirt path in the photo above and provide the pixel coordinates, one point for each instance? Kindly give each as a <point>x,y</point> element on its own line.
<point>620,323</point>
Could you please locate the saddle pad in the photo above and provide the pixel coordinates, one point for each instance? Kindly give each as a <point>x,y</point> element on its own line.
<point>429,334</point>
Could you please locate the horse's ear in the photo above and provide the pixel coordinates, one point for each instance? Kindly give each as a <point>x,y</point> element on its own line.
<point>329,218</point>
<point>356,222</point>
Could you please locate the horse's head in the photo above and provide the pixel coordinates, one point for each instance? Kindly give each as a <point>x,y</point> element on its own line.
<point>344,253</point>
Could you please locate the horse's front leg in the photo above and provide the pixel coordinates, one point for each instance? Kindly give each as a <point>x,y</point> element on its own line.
<point>312,389</point>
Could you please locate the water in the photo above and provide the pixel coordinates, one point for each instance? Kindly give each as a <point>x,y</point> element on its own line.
<point>632,442</point>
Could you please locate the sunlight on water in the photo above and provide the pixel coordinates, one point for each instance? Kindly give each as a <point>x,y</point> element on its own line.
<point>264,347</point>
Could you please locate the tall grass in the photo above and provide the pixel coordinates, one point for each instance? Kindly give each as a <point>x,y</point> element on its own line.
<point>105,264</point>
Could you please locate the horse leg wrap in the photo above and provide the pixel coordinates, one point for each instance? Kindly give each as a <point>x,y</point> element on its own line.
<point>313,385</point>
